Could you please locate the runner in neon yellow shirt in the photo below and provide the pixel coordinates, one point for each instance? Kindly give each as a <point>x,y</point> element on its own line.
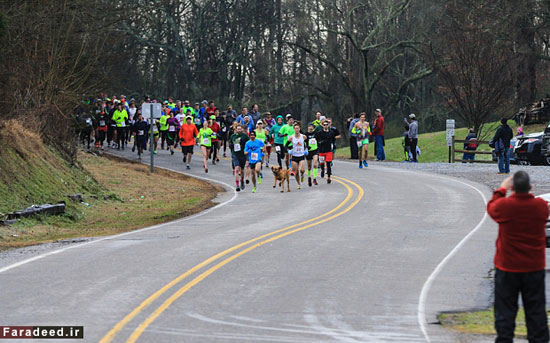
<point>205,141</point>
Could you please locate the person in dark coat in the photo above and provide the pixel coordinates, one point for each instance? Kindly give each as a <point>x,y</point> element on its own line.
<point>501,143</point>
<point>471,146</point>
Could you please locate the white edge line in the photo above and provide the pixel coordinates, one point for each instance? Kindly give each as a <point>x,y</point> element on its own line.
<point>421,312</point>
<point>50,253</point>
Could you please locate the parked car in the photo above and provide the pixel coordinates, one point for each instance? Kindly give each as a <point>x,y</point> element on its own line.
<point>545,149</point>
<point>528,150</point>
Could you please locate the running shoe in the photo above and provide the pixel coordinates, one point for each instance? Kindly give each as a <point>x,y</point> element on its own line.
<point>309,181</point>
<point>171,152</point>
<point>365,164</point>
<point>155,152</point>
<point>360,165</point>
<point>254,189</point>
<point>133,149</point>
<point>224,155</point>
<point>217,159</point>
<point>315,182</point>
<point>247,181</point>
<point>262,175</point>
<point>214,163</point>
<point>206,170</point>
<point>329,180</point>
<point>238,189</point>
<point>299,187</point>
<point>188,167</point>
<point>267,164</point>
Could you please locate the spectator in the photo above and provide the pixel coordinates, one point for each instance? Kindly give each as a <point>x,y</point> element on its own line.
<point>413,137</point>
<point>501,143</point>
<point>378,133</point>
<point>354,150</point>
<point>519,258</point>
<point>470,146</point>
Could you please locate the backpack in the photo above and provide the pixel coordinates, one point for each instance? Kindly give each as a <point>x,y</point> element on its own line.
<point>473,145</point>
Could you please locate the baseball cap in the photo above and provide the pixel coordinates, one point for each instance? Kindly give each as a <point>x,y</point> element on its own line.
<point>412,115</point>
<point>188,117</point>
<point>204,102</point>
<point>212,117</point>
<point>288,116</point>
<point>322,118</point>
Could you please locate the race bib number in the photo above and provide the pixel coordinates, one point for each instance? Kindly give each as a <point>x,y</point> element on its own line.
<point>197,121</point>
<point>141,132</point>
<point>237,147</point>
<point>102,123</point>
<point>172,129</point>
<point>123,124</point>
<point>312,141</point>
<point>155,129</point>
<point>224,129</point>
<point>321,159</point>
<point>359,144</point>
<point>254,156</point>
<point>299,150</point>
<point>278,148</point>
<point>205,141</point>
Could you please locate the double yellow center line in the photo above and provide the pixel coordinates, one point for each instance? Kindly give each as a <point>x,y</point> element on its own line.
<point>258,242</point>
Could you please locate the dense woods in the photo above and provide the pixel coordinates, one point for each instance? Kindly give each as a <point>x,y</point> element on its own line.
<point>472,60</point>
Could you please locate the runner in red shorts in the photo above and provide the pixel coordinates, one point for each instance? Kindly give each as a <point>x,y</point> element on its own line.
<point>325,140</point>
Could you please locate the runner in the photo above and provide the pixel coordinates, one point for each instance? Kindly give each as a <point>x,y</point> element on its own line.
<point>336,136</point>
<point>215,138</point>
<point>120,116</point>
<point>278,141</point>
<point>286,131</point>
<point>205,141</point>
<point>221,119</point>
<point>101,130</point>
<point>268,124</point>
<point>362,130</point>
<point>164,128</point>
<point>313,155</point>
<point>187,135</point>
<point>173,125</point>
<point>261,134</point>
<point>197,116</point>
<point>237,143</point>
<point>156,136</point>
<point>325,140</point>
<point>299,152</point>
<point>141,131</point>
<point>253,149</point>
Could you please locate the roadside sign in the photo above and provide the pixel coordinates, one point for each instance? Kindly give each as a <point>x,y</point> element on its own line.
<point>450,132</point>
<point>154,108</point>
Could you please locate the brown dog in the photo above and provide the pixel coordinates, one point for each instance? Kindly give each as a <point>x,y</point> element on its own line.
<point>281,175</point>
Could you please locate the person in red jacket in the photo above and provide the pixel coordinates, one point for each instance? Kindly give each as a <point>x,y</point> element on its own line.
<point>187,134</point>
<point>519,258</point>
<point>378,133</point>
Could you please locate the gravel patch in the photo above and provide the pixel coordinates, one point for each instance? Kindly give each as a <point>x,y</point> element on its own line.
<point>482,173</point>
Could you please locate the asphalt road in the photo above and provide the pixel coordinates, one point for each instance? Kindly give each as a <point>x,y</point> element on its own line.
<point>372,257</point>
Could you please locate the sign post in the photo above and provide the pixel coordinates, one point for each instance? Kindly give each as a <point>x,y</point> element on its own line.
<point>450,132</point>
<point>151,111</point>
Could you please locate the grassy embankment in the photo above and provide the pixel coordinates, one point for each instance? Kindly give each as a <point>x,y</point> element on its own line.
<point>434,144</point>
<point>479,322</point>
<point>31,173</point>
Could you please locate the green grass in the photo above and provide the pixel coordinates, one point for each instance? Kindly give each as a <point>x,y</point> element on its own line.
<point>434,144</point>
<point>479,322</point>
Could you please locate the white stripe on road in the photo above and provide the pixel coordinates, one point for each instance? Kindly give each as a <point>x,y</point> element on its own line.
<point>41,256</point>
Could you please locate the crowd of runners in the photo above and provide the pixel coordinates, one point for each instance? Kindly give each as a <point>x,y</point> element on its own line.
<point>249,138</point>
